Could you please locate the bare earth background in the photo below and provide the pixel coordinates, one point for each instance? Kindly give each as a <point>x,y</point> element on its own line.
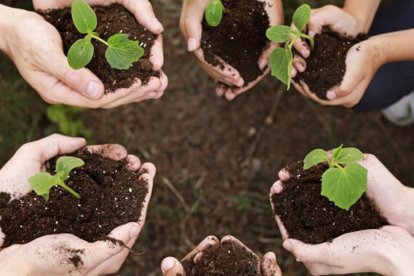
<point>216,160</point>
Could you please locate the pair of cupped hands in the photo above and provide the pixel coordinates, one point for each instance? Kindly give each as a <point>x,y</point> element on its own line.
<point>361,64</point>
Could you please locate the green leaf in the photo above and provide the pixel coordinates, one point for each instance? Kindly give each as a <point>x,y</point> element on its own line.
<point>214,13</point>
<point>65,164</point>
<point>43,182</point>
<point>301,16</point>
<point>80,53</point>
<point>279,34</point>
<point>344,186</point>
<point>83,17</point>
<point>315,157</point>
<point>349,155</point>
<point>281,65</point>
<point>122,52</point>
<point>336,152</point>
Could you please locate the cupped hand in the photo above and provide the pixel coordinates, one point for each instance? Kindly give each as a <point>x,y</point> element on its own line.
<point>35,47</point>
<point>172,267</point>
<point>101,257</point>
<point>344,254</point>
<point>192,15</point>
<point>362,59</point>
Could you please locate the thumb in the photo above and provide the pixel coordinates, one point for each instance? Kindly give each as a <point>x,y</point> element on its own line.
<point>191,23</point>
<point>82,81</point>
<point>305,252</point>
<point>171,267</point>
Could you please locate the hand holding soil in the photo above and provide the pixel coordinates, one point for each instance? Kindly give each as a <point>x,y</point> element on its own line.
<point>45,67</point>
<point>340,68</point>
<point>236,52</point>
<point>98,252</point>
<point>226,257</point>
<point>355,251</point>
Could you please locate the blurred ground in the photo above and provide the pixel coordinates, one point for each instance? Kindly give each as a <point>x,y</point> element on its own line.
<point>216,160</point>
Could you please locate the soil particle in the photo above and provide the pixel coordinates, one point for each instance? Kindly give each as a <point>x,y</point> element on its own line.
<point>326,66</point>
<point>240,39</point>
<point>229,259</point>
<point>312,218</point>
<point>111,20</point>
<point>111,196</point>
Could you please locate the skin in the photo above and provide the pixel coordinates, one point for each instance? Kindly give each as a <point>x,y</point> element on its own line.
<point>363,59</point>
<point>101,257</point>
<point>36,48</point>
<point>388,251</point>
<point>172,267</point>
<point>190,24</point>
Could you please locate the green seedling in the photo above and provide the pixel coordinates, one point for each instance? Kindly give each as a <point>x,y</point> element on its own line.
<point>281,58</point>
<point>214,13</point>
<point>121,52</point>
<point>345,181</point>
<point>43,182</point>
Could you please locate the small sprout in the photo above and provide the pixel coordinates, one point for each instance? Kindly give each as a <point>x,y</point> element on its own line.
<point>281,58</point>
<point>345,181</point>
<point>214,13</point>
<point>121,52</point>
<point>43,182</point>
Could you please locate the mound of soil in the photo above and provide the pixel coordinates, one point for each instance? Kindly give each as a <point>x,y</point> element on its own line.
<point>240,39</point>
<point>111,196</point>
<point>312,218</point>
<point>112,19</point>
<point>229,259</point>
<point>326,65</point>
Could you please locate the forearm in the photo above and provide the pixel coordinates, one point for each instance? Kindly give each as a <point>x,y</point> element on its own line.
<point>6,19</point>
<point>393,47</point>
<point>364,11</point>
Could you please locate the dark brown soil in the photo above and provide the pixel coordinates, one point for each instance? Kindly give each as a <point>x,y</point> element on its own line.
<point>111,196</point>
<point>326,65</point>
<point>312,218</point>
<point>240,39</point>
<point>229,259</point>
<point>111,20</point>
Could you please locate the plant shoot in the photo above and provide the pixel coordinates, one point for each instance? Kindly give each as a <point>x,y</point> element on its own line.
<point>345,181</point>
<point>43,182</point>
<point>281,58</point>
<point>121,52</point>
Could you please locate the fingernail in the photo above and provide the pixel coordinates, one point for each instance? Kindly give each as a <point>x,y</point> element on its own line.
<point>92,89</point>
<point>240,82</point>
<point>331,95</point>
<point>167,264</point>
<point>157,24</point>
<point>287,245</point>
<point>293,72</point>
<point>192,44</point>
<point>305,53</point>
<point>134,231</point>
<point>272,256</point>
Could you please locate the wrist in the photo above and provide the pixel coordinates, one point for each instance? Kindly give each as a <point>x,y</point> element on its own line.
<point>375,48</point>
<point>405,210</point>
<point>363,13</point>
<point>6,19</point>
<point>12,262</point>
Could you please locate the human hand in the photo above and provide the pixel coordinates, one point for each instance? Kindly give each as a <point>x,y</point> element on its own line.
<point>172,267</point>
<point>36,48</point>
<point>192,15</point>
<point>100,257</point>
<point>392,200</point>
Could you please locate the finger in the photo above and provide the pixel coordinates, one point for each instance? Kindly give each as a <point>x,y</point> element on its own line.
<point>299,63</point>
<point>82,81</point>
<point>133,162</point>
<point>172,267</point>
<point>306,253</point>
<point>149,181</point>
<point>276,188</point>
<point>284,175</point>
<point>52,146</point>
<point>269,265</point>
<point>190,22</point>
<point>144,13</point>
<point>282,229</point>
<point>210,241</point>
<point>112,151</point>
<point>232,240</point>
<point>302,47</point>
<point>157,54</point>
